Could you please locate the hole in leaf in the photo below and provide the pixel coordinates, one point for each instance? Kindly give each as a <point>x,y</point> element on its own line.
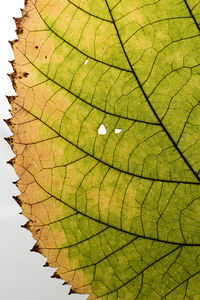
<point>34,163</point>
<point>86,61</point>
<point>102,129</point>
<point>117,130</point>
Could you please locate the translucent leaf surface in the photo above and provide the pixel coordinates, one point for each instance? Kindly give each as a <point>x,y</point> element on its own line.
<point>118,212</point>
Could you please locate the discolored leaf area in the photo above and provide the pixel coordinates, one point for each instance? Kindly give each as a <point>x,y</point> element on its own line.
<point>107,135</point>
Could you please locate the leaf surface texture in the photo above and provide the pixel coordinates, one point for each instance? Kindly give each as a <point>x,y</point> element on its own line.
<point>117,213</point>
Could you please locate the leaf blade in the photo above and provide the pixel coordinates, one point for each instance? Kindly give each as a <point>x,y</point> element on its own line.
<point>90,192</point>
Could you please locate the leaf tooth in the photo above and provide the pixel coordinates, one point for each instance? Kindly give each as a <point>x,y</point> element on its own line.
<point>18,23</point>
<point>9,140</point>
<point>12,77</point>
<point>13,42</point>
<point>72,291</point>
<point>55,275</point>
<point>15,182</point>
<point>46,264</point>
<point>12,62</point>
<point>8,121</point>
<point>26,225</point>
<point>11,161</point>
<point>9,124</point>
<point>19,202</point>
<point>11,98</point>
<point>35,248</point>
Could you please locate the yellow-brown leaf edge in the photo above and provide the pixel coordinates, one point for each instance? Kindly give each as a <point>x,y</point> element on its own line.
<point>32,225</point>
<point>116,214</point>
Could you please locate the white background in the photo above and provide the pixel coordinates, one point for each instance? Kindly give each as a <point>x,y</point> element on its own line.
<point>21,273</point>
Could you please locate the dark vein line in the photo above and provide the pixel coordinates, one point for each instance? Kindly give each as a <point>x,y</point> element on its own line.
<point>108,165</point>
<point>83,100</point>
<point>140,273</point>
<point>102,62</point>
<point>54,222</point>
<point>34,143</point>
<point>105,257</point>
<point>186,122</point>
<point>88,13</point>
<point>192,15</point>
<point>66,165</point>
<point>195,5</point>
<point>150,24</point>
<point>141,285</point>
<point>180,284</point>
<point>80,242</point>
<point>148,101</point>
<point>111,226</point>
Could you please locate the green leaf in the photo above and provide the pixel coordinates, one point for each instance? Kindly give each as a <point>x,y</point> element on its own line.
<point>107,136</point>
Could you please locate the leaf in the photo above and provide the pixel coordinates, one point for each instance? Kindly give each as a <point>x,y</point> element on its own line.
<point>118,215</point>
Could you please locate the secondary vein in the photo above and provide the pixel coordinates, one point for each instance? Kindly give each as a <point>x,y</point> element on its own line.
<point>148,101</point>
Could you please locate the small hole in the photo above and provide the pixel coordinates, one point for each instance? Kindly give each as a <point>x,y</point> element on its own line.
<point>86,61</point>
<point>36,47</point>
<point>102,129</point>
<point>117,130</point>
<point>34,163</point>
